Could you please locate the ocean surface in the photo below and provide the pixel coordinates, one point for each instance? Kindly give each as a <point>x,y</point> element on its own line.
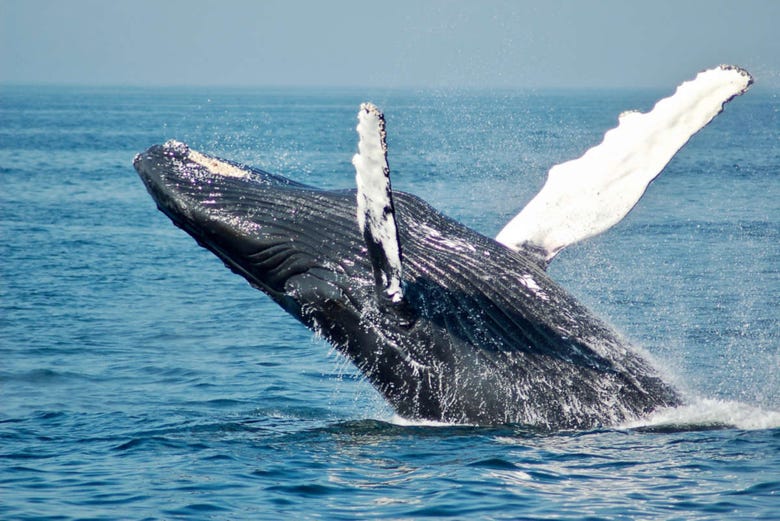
<point>140,379</point>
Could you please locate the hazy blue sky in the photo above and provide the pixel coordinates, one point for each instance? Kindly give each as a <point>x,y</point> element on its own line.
<point>422,43</point>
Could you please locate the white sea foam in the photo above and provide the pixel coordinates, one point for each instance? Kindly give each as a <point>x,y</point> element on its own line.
<point>709,412</point>
<point>701,413</point>
<point>404,422</point>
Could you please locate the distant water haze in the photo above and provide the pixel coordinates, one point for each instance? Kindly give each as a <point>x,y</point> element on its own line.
<point>406,43</point>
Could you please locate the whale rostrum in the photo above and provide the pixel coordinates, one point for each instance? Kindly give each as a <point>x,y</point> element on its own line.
<point>447,324</point>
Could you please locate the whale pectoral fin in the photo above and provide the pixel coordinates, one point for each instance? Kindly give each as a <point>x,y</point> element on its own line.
<point>589,195</point>
<point>375,211</point>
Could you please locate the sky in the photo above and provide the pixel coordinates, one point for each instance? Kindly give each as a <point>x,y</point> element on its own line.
<point>399,43</point>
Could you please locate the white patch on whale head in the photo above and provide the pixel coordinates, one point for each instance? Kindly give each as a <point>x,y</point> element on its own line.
<point>212,164</point>
<point>215,166</point>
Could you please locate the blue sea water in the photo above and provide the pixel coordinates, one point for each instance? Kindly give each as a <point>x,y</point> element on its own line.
<point>140,379</point>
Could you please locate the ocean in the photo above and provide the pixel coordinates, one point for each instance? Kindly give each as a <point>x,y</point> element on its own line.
<point>140,379</point>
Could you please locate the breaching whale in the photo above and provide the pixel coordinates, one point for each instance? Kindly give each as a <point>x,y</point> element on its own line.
<point>447,324</point>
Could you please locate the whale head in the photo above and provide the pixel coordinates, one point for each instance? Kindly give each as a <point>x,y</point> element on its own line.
<point>274,232</point>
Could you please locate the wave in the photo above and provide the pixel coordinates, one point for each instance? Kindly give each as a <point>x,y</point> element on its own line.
<point>405,422</point>
<point>699,414</point>
<point>703,413</point>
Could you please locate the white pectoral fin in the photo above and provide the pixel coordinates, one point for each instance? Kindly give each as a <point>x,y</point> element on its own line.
<point>375,211</point>
<point>589,195</point>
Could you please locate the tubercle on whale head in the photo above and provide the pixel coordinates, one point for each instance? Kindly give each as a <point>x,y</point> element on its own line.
<point>175,146</point>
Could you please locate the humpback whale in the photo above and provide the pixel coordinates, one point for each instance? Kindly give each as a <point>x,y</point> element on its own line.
<point>447,324</point>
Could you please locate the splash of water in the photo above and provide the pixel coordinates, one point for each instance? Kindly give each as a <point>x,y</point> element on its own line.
<point>707,413</point>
